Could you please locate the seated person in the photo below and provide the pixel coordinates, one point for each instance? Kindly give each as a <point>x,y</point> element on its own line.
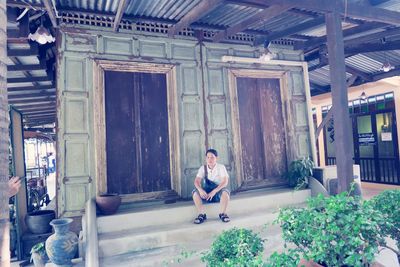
<point>211,181</point>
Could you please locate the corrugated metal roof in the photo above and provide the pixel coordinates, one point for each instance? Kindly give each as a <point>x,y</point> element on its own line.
<point>228,15</point>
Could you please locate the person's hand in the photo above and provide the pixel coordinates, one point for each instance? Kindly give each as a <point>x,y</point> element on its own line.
<point>211,195</point>
<point>203,194</point>
<point>13,186</point>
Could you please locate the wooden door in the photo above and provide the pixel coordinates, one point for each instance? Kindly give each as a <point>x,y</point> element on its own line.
<point>137,143</point>
<point>262,132</point>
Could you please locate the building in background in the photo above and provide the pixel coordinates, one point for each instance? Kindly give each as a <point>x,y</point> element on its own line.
<point>373,109</point>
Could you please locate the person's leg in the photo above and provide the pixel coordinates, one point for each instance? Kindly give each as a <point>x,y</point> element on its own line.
<point>224,201</point>
<point>198,202</point>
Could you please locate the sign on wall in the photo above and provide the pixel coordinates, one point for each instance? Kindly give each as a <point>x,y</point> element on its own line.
<point>366,139</point>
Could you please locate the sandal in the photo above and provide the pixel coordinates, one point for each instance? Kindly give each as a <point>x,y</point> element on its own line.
<point>224,217</point>
<point>200,219</point>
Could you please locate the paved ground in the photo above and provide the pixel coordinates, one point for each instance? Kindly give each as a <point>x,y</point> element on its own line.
<point>386,257</point>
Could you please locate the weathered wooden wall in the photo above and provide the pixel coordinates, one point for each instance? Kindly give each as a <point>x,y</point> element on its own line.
<point>204,109</point>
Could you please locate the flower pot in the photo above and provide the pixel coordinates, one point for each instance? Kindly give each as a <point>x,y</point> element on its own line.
<point>306,263</point>
<point>62,246</point>
<point>39,259</point>
<point>108,203</point>
<point>38,222</point>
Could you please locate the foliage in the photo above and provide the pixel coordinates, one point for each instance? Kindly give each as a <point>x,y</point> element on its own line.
<point>235,247</point>
<point>38,248</point>
<point>336,231</point>
<point>289,259</point>
<point>387,203</point>
<point>298,172</point>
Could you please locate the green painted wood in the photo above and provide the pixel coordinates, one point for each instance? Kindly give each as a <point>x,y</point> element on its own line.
<point>203,107</point>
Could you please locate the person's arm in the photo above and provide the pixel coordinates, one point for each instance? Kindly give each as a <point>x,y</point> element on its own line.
<point>197,184</point>
<point>13,186</point>
<point>223,184</point>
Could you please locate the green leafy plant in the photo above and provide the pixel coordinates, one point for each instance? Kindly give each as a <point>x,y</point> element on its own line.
<point>235,247</point>
<point>299,171</point>
<point>387,203</point>
<point>287,259</point>
<point>336,231</point>
<point>38,254</point>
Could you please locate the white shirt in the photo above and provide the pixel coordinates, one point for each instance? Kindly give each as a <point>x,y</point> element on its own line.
<point>216,174</point>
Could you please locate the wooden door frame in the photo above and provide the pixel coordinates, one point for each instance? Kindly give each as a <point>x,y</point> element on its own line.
<point>100,162</point>
<point>233,74</point>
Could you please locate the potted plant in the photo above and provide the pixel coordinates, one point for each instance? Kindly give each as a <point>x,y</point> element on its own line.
<point>38,255</point>
<point>339,230</point>
<point>387,203</point>
<point>299,171</point>
<point>235,247</point>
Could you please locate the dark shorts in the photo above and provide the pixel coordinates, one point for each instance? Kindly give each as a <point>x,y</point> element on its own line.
<point>215,198</point>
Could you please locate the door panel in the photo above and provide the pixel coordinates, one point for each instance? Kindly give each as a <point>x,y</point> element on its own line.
<point>262,131</point>
<point>250,129</point>
<point>154,133</point>
<point>273,125</point>
<point>122,177</point>
<point>137,132</point>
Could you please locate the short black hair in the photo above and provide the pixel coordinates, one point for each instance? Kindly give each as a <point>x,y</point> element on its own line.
<point>213,151</point>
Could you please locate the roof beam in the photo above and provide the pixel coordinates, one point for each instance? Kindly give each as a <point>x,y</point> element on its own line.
<point>29,79</point>
<point>347,8</point>
<point>356,72</point>
<point>366,48</point>
<point>30,88</point>
<point>383,75</point>
<point>264,15</point>
<point>35,106</point>
<point>289,31</point>
<point>315,42</point>
<point>44,100</point>
<point>51,12</point>
<point>33,51</point>
<point>375,36</point>
<point>33,95</point>
<point>120,12</point>
<point>197,12</point>
<point>22,67</point>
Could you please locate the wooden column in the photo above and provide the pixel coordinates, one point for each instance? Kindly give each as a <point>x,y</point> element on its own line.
<point>343,147</point>
<point>4,225</point>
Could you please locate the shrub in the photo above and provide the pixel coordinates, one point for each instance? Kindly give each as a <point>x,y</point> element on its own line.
<point>335,231</point>
<point>289,259</point>
<point>387,203</point>
<point>235,247</point>
<point>298,172</point>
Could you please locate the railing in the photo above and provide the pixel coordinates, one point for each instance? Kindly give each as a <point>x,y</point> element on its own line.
<point>388,172</point>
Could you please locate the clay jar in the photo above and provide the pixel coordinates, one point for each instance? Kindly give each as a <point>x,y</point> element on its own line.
<point>38,222</point>
<point>108,203</point>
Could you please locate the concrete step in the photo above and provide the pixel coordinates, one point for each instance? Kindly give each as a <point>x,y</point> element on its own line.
<point>249,210</point>
<point>185,211</point>
<point>173,255</point>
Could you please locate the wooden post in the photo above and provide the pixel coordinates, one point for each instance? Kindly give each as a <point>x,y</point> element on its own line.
<point>343,147</point>
<point>4,137</point>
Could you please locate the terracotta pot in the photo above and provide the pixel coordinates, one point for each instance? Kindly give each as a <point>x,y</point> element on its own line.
<point>108,203</point>
<point>38,222</point>
<point>306,263</point>
<point>62,246</point>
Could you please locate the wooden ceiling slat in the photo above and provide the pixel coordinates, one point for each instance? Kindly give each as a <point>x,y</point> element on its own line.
<point>30,88</point>
<point>51,12</point>
<point>29,79</point>
<point>28,67</point>
<point>197,12</point>
<point>120,12</point>
<point>36,95</point>
<point>264,15</point>
<point>289,31</point>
